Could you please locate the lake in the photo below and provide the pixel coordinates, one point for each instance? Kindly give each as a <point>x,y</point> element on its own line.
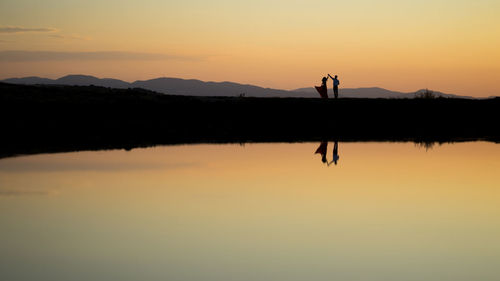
<point>255,211</point>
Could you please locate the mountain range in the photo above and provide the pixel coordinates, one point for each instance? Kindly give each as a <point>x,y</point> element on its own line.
<point>193,87</point>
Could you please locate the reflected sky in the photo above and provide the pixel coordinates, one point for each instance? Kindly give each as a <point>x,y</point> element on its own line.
<point>386,211</point>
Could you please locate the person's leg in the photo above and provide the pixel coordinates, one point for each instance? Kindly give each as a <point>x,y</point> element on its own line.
<point>336,92</point>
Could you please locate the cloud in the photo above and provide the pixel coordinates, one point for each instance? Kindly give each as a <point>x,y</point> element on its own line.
<point>60,36</point>
<point>30,56</point>
<point>53,32</point>
<point>17,29</point>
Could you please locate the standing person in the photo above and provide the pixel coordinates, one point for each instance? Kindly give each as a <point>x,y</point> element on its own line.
<point>336,83</point>
<point>322,90</point>
<point>323,81</point>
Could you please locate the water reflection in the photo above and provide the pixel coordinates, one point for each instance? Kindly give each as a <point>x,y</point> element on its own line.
<point>323,150</point>
<point>253,212</point>
<point>336,156</point>
<point>427,145</point>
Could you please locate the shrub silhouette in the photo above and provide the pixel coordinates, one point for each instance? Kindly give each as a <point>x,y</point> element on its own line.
<point>426,94</point>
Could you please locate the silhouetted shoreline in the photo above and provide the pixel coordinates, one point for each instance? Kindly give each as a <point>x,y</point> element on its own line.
<point>38,119</point>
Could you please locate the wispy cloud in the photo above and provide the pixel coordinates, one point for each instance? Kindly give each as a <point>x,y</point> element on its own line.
<point>52,32</point>
<point>26,56</point>
<point>18,29</point>
<point>76,37</point>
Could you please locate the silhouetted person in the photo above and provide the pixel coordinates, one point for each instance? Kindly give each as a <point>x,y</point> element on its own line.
<point>322,90</point>
<point>336,84</point>
<point>322,149</point>
<point>323,81</point>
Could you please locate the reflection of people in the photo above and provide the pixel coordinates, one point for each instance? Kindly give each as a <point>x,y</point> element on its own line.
<point>336,156</point>
<point>336,84</point>
<point>322,149</point>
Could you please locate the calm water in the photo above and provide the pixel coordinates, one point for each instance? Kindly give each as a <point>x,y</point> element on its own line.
<point>386,211</point>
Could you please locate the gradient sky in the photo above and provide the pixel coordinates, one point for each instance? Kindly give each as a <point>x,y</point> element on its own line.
<point>445,45</point>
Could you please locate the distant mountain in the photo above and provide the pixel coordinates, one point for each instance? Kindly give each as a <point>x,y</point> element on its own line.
<point>376,92</point>
<point>72,80</point>
<point>172,86</point>
<point>192,87</point>
<point>85,80</point>
<point>29,80</point>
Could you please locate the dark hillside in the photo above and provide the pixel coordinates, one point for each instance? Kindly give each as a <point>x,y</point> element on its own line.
<point>58,118</point>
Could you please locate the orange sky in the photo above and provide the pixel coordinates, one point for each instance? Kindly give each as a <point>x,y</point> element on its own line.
<point>449,46</point>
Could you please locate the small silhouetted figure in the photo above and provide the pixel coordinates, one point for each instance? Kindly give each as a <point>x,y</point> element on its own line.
<point>323,81</point>
<point>322,149</point>
<point>322,90</point>
<point>336,152</point>
<point>336,84</point>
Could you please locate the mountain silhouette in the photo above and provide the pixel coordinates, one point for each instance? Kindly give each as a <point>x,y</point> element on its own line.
<point>376,92</point>
<point>71,80</point>
<point>86,80</point>
<point>193,87</point>
<point>32,80</point>
<point>176,86</point>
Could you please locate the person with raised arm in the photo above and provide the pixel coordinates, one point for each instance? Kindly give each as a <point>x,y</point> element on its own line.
<point>336,84</point>
<point>322,90</point>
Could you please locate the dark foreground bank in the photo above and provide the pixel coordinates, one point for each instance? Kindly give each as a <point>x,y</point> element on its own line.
<point>66,118</point>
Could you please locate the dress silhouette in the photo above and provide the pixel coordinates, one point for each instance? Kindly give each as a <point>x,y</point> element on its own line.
<point>322,90</point>
<point>322,149</point>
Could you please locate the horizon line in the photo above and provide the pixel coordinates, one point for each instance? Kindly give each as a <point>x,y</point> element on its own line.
<point>240,83</point>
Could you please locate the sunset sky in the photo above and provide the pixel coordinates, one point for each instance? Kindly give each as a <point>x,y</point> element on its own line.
<point>446,45</point>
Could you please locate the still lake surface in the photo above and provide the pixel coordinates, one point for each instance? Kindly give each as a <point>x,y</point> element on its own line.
<point>385,211</point>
